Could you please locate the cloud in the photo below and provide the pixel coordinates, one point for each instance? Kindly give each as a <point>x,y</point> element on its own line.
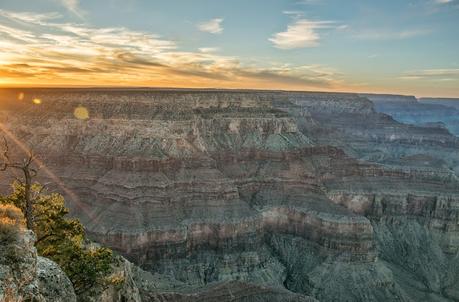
<point>73,6</point>
<point>213,26</point>
<point>308,2</point>
<point>27,17</point>
<point>293,13</point>
<point>208,49</point>
<point>16,33</point>
<point>440,74</point>
<point>374,34</point>
<point>44,50</point>
<point>443,1</point>
<point>311,75</point>
<point>302,33</point>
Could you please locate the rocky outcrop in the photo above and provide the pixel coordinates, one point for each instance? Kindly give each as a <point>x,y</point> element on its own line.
<point>53,283</point>
<point>250,196</point>
<point>120,286</point>
<point>24,276</point>
<point>18,269</point>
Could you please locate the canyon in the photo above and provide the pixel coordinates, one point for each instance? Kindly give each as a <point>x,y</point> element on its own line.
<point>434,112</point>
<point>245,195</point>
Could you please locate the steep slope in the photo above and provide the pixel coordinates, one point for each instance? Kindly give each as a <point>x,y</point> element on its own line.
<point>411,199</point>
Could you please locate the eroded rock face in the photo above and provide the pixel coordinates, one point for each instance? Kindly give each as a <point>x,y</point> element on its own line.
<point>125,284</point>
<point>18,269</point>
<point>281,192</point>
<point>376,137</point>
<point>231,291</point>
<point>53,283</point>
<point>333,278</point>
<point>24,276</point>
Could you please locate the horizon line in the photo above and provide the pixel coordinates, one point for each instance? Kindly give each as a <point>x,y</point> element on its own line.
<point>117,87</point>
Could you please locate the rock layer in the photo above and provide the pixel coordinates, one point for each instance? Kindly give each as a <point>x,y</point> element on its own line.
<point>282,191</point>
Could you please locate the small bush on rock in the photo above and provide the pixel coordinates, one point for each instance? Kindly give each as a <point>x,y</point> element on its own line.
<point>59,237</point>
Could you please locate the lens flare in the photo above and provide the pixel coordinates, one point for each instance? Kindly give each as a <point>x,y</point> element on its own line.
<point>41,165</point>
<point>36,101</point>
<point>81,113</point>
<point>20,96</point>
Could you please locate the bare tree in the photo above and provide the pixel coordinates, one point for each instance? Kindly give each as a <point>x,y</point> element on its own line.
<point>28,171</point>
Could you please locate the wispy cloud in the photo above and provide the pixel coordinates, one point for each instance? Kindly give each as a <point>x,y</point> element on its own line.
<point>301,33</point>
<point>440,74</point>
<point>208,49</point>
<point>28,17</point>
<point>213,26</point>
<point>313,75</point>
<point>443,1</point>
<point>376,34</point>
<point>307,2</point>
<point>43,50</point>
<point>16,33</point>
<point>73,6</point>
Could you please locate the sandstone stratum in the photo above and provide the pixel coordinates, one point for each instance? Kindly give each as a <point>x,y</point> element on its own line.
<point>227,195</point>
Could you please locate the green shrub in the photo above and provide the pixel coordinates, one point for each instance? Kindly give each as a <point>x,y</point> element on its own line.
<point>59,237</point>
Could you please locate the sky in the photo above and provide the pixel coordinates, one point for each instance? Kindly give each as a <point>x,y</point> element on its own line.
<point>391,46</point>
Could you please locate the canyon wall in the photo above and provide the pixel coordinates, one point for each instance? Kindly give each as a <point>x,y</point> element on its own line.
<point>266,193</point>
<point>427,112</point>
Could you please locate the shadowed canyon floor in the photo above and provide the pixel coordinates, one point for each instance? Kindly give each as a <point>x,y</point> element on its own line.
<point>253,195</point>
